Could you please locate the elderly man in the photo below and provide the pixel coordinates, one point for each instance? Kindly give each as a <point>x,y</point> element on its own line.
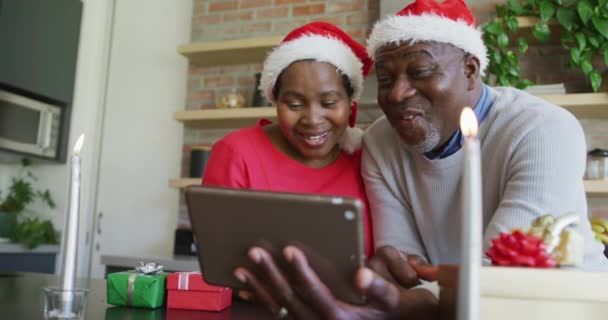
<point>429,62</point>
<point>430,58</point>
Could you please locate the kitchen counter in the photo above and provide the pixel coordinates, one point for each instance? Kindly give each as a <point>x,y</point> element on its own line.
<point>19,248</point>
<point>15,257</point>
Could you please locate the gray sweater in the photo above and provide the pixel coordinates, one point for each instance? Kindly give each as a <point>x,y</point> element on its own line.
<point>533,161</point>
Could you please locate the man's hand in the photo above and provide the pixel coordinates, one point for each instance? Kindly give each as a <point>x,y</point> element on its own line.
<point>423,269</point>
<point>306,297</point>
<point>403,270</point>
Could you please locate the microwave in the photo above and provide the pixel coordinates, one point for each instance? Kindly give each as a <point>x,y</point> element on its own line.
<point>31,125</point>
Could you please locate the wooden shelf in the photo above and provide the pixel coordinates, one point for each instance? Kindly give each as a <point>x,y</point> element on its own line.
<point>254,50</point>
<point>582,105</point>
<point>184,182</point>
<point>229,52</point>
<point>593,188</point>
<point>224,118</point>
<point>596,188</point>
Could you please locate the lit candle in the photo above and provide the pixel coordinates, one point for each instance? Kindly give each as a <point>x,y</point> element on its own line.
<point>471,220</point>
<point>70,240</point>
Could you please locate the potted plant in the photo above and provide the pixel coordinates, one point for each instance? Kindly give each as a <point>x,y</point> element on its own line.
<point>583,25</point>
<point>15,224</point>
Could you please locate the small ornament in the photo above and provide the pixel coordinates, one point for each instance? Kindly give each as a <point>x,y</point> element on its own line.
<point>231,101</point>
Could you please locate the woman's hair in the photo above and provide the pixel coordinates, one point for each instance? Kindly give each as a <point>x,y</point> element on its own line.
<point>345,82</point>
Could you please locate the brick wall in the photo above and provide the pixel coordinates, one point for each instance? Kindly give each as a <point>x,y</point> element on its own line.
<point>234,19</point>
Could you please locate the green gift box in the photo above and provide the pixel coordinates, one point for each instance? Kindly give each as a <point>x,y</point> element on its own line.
<point>134,289</point>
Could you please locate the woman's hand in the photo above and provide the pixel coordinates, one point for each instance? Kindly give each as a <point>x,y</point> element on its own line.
<point>304,296</point>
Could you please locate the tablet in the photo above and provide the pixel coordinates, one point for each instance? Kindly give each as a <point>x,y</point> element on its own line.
<point>227,222</point>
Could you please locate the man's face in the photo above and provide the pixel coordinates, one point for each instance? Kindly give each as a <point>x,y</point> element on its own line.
<point>422,88</point>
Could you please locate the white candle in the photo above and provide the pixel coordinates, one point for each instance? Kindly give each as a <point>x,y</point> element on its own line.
<point>70,239</point>
<point>471,230</point>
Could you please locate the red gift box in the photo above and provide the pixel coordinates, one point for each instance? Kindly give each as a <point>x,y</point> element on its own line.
<point>188,290</point>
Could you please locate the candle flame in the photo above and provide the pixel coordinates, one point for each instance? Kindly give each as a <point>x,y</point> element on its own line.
<point>468,122</point>
<point>78,145</point>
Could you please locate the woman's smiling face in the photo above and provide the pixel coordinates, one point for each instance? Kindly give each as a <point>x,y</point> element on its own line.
<point>313,107</point>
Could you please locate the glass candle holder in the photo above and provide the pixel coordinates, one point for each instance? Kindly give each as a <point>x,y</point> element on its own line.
<point>64,304</point>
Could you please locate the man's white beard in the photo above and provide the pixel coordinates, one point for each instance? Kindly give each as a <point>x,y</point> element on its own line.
<point>429,143</point>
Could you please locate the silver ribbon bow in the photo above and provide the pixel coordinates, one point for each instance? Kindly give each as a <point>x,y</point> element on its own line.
<point>148,269</point>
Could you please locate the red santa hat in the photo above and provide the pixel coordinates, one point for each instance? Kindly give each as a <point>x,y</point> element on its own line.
<point>427,20</point>
<point>323,42</point>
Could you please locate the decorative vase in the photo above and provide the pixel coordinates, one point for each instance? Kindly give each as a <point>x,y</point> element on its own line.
<point>258,99</point>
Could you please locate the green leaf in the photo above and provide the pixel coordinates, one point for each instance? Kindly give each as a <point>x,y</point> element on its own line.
<point>515,7</point>
<point>575,56</point>
<point>586,55</point>
<point>511,23</point>
<point>501,10</point>
<point>514,71</point>
<point>494,27</point>
<point>595,44</point>
<point>32,232</point>
<point>523,45</point>
<point>503,40</point>
<point>496,56</point>
<point>601,25</point>
<point>581,40</point>
<point>585,10</point>
<point>586,66</point>
<point>567,37</point>
<point>489,38</point>
<point>511,57</point>
<point>527,83</point>
<point>546,10</point>
<point>541,31</point>
<point>566,18</point>
<point>502,80</point>
<point>596,80</point>
<point>522,84</point>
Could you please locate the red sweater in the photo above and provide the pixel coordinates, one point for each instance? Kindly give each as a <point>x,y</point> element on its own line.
<point>246,158</point>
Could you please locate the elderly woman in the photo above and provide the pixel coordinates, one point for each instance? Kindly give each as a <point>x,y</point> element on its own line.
<point>314,78</point>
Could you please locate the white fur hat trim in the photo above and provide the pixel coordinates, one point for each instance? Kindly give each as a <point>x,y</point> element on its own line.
<point>429,27</point>
<point>334,52</point>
